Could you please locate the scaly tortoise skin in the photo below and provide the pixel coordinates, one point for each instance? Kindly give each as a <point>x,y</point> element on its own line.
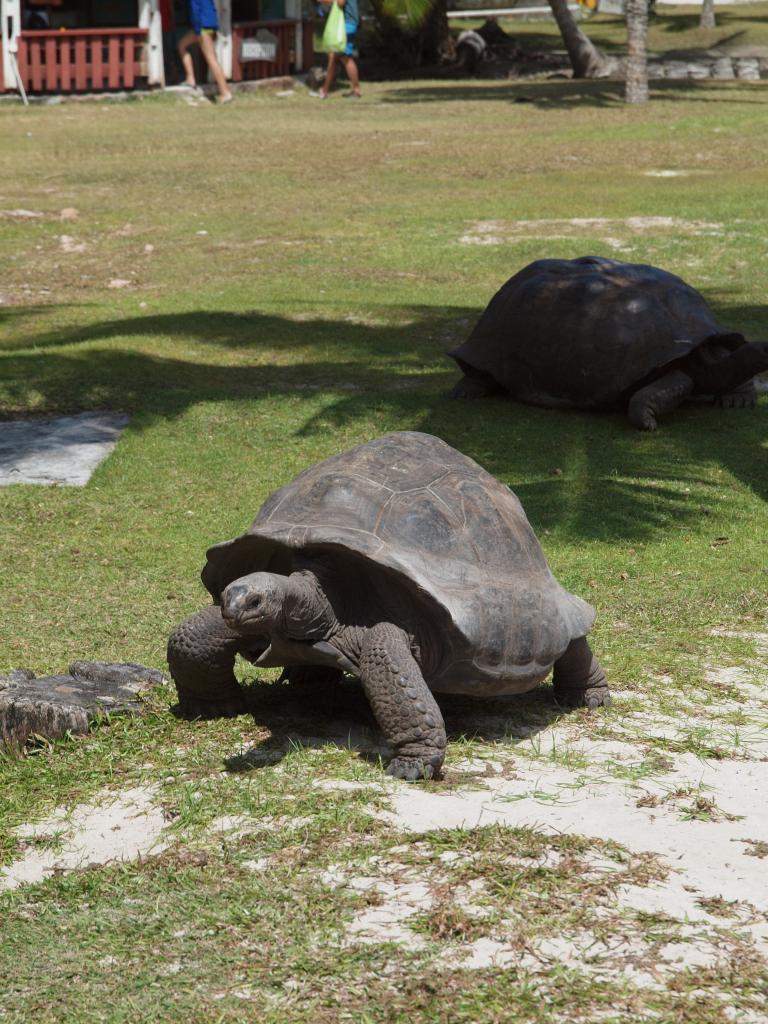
<point>402,562</point>
<point>595,333</point>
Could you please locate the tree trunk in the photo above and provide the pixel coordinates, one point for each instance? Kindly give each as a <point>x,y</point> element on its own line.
<point>586,59</point>
<point>435,40</point>
<point>636,88</point>
<point>708,14</point>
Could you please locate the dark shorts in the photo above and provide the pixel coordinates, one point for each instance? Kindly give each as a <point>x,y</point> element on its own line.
<point>203,15</point>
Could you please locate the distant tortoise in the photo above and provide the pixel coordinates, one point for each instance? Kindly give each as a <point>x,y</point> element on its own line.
<point>404,563</point>
<point>594,333</point>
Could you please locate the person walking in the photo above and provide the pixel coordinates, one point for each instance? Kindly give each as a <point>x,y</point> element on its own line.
<point>347,58</point>
<point>204,19</point>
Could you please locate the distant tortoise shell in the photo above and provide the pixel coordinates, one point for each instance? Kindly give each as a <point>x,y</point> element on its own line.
<point>587,332</point>
<point>440,532</point>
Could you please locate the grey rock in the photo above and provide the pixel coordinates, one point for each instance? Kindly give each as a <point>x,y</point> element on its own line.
<point>699,70</point>
<point>52,706</point>
<point>129,676</point>
<point>65,450</point>
<point>748,70</point>
<point>676,69</point>
<point>722,69</point>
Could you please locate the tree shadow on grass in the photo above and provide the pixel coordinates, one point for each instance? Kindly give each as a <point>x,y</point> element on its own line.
<point>565,95</point>
<point>588,476</point>
<point>251,354</point>
<point>544,94</point>
<point>593,476</point>
<point>338,714</point>
<point>253,330</point>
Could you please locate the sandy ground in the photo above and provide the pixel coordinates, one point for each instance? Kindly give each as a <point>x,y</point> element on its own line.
<point>118,826</point>
<point>704,820</point>
<point>615,233</point>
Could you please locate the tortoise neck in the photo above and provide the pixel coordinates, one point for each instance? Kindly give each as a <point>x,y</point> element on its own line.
<point>308,614</point>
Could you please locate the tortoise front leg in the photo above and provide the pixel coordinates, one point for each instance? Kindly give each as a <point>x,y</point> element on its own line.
<point>402,703</point>
<point>744,397</point>
<point>201,657</point>
<point>658,398</point>
<point>578,679</point>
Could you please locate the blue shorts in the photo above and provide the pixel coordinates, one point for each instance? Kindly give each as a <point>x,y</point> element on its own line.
<point>203,14</point>
<point>350,50</point>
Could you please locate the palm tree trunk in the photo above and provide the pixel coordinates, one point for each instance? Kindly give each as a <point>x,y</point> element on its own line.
<point>708,14</point>
<point>586,60</point>
<point>636,87</point>
<point>436,41</point>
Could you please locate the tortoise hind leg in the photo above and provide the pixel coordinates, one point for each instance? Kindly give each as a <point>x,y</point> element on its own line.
<point>658,398</point>
<point>201,657</point>
<point>402,703</point>
<point>578,679</point>
<point>476,385</point>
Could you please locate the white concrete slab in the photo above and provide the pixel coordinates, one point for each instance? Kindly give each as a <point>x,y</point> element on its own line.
<point>57,451</point>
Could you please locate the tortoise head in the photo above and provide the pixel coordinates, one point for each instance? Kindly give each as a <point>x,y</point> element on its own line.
<point>264,603</point>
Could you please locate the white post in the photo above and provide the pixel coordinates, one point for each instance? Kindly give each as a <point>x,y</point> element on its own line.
<point>10,30</point>
<point>293,10</point>
<point>149,18</point>
<point>224,36</point>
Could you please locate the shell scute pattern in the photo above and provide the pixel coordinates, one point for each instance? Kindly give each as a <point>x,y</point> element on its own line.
<point>336,500</point>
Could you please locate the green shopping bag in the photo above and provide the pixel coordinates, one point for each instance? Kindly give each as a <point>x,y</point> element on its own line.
<point>335,32</point>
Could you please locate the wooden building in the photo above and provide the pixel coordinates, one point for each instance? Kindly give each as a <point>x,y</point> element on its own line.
<point>66,46</point>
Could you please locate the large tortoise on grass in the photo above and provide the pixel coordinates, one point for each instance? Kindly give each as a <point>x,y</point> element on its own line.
<point>594,333</point>
<point>406,564</point>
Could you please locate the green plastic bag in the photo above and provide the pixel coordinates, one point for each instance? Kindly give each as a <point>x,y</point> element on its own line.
<point>335,32</point>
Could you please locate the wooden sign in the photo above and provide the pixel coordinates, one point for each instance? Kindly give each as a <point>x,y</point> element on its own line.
<point>262,46</point>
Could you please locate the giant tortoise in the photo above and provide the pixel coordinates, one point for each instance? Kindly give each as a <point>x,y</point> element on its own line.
<point>406,564</point>
<point>595,333</point>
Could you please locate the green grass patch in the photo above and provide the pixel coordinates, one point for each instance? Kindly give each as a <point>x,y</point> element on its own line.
<point>296,273</point>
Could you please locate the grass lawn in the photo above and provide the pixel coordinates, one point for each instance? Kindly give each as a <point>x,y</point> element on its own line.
<point>671,29</point>
<point>263,285</point>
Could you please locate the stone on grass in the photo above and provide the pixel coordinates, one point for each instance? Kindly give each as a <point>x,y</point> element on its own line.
<point>722,69</point>
<point>51,706</point>
<point>57,451</point>
<point>748,70</point>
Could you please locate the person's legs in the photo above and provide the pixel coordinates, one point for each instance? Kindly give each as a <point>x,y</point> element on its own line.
<point>209,52</point>
<point>333,63</point>
<point>187,40</point>
<point>352,73</point>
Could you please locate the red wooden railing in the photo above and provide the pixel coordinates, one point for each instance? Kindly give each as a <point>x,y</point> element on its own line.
<point>285,58</point>
<point>79,60</point>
